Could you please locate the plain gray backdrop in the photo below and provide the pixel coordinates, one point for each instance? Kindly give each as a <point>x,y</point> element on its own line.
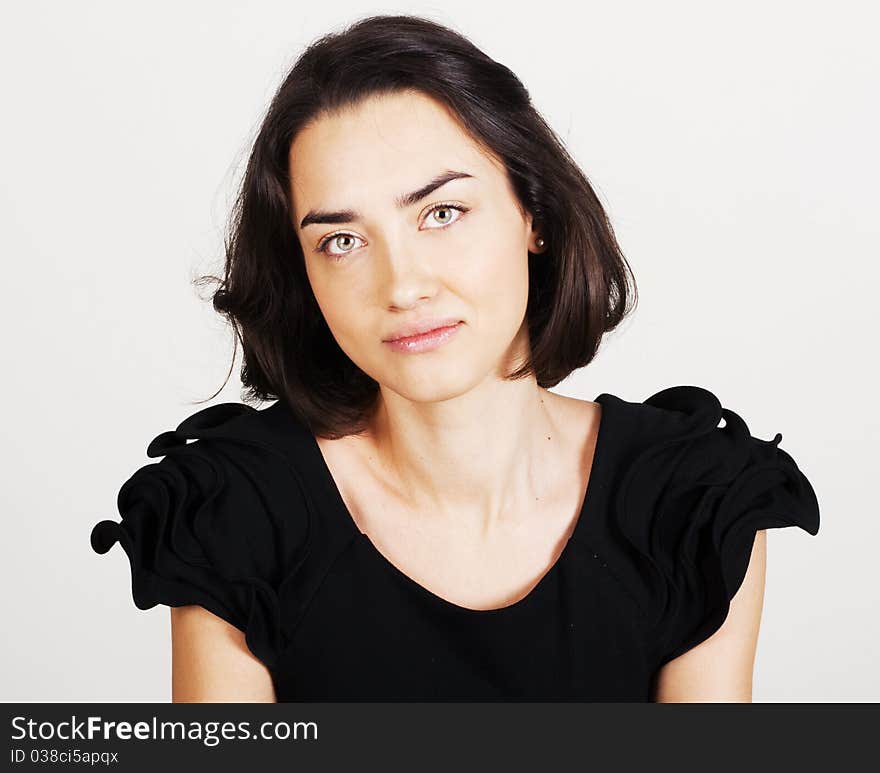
<point>734,146</point>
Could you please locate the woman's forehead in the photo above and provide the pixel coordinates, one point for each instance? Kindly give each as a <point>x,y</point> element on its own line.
<point>379,149</point>
<point>389,129</point>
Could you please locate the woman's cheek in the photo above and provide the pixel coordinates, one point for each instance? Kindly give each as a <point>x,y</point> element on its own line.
<point>478,261</point>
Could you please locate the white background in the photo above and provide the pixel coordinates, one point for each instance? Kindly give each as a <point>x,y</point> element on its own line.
<point>734,146</point>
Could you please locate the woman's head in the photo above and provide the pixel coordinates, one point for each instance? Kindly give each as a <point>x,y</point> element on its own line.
<point>327,256</point>
<point>458,253</point>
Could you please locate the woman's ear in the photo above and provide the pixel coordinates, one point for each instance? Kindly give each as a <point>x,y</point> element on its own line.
<point>537,242</point>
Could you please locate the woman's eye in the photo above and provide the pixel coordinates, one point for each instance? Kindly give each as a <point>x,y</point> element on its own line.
<point>345,242</point>
<point>447,210</point>
<point>340,240</point>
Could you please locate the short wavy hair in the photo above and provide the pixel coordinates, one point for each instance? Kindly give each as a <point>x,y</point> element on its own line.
<point>580,287</point>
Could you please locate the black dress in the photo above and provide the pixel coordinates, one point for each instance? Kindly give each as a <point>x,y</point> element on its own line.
<point>248,522</point>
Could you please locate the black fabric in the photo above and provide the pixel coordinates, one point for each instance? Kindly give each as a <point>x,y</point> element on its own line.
<point>243,517</point>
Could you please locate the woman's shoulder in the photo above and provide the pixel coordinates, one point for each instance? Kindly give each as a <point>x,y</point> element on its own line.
<point>273,428</point>
<point>687,417</point>
<point>221,520</point>
<point>670,412</point>
<point>247,466</point>
<point>692,487</point>
<point>681,446</point>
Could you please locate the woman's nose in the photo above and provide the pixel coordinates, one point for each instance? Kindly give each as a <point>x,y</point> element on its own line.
<point>406,274</point>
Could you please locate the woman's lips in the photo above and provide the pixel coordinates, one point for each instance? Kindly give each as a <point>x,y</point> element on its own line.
<point>425,342</point>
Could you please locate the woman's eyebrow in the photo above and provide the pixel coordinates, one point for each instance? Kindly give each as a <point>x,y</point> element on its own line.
<point>405,200</point>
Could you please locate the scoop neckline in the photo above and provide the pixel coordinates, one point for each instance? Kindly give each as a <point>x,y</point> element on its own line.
<point>581,521</point>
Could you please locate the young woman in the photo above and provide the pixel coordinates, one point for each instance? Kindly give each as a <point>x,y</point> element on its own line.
<point>414,261</point>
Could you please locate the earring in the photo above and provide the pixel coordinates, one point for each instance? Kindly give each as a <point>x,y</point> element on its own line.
<point>539,242</point>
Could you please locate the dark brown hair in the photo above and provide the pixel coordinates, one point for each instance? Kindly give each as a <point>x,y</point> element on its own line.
<point>580,287</point>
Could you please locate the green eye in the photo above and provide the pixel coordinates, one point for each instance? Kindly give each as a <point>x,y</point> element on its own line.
<point>451,207</point>
<point>322,247</point>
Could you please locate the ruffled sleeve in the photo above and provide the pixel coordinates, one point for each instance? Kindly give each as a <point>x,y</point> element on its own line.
<point>691,504</point>
<point>200,527</point>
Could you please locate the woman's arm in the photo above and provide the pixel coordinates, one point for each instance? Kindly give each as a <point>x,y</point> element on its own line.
<point>211,663</point>
<point>720,668</point>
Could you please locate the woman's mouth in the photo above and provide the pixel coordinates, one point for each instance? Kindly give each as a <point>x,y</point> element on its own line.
<point>424,342</point>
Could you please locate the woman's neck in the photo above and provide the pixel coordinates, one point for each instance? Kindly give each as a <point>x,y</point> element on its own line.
<point>478,459</point>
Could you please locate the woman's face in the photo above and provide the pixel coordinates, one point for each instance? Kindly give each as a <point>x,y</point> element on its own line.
<point>387,263</point>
